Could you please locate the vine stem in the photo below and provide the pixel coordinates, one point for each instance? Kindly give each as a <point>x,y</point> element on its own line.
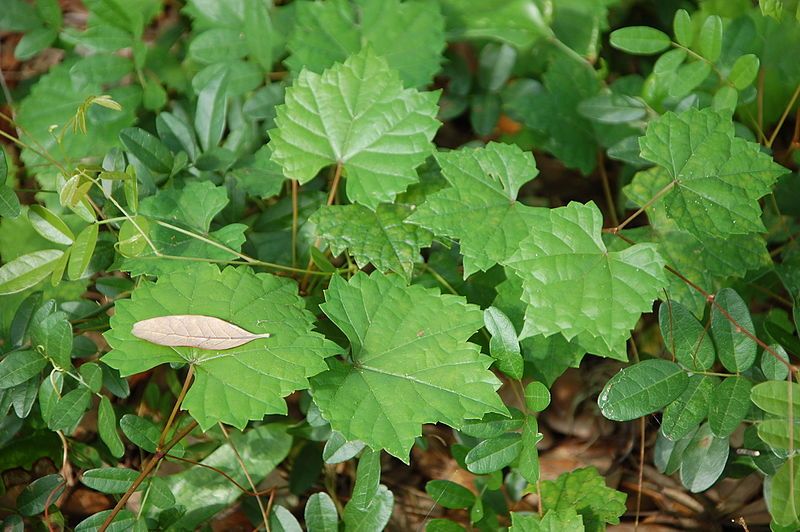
<point>148,468</point>
<point>601,168</point>
<point>161,451</point>
<point>239,459</point>
<point>337,176</point>
<point>629,219</point>
<point>295,191</point>
<point>783,117</point>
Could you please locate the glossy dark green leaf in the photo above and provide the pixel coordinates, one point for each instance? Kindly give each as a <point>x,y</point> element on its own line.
<point>494,454</point>
<point>612,108</point>
<point>50,394</point>
<point>703,460</point>
<point>773,368</point>
<point>504,345</point>
<point>642,389</point>
<point>492,425</point>
<point>449,494</point>
<point>640,40</point>
<point>320,514</point>
<point>494,65</point>
<point>23,396</point>
<point>148,149</point>
<point>371,504</point>
<point>92,376</point>
<point>124,521</point>
<point>52,334</point>
<point>39,494</point>
<point>107,427</point>
<point>735,349</point>
<point>338,449</point>
<point>70,409</point>
<point>109,479</point>
<point>209,119</point>
<point>688,78</point>
<point>82,251</point>
<point>730,403</point>
<point>668,454</point>
<point>19,366</point>
<point>142,432</point>
<point>687,412</point>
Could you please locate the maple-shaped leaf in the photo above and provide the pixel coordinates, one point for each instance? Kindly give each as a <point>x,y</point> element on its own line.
<point>584,491</point>
<point>709,262</point>
<point>410,362</point>
<point>382,237</point>
<point>480,207</point>
<point>574,286</point>
<point>716,178</point>
<point>192,208</point>
<point>410,35</point>
<point>552,111</point>
<point>232,385</point>
<point>356,114</point>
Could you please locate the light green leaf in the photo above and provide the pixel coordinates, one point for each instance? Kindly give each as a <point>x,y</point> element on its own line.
<point>448,494</point>
<point>686,413</point>
<point>109,479</point>
<point>640,40</point>
<point>204,492</point>
<point>409,35</point>
<point>611,108</point>
<point>642,389</point>
<point>405,341</point>
<point>504,345</point>
<point>683,28</point>
<point>107,427</point>
<point>730,403</point>
<point>358,115</point>
<point>736,351</point>
<point>20,366</point>
<point>282,520</point>
<point>585,491</point>
<point>34,42</point>
<point>779,433</point>
<point>34,498</point>
<point>371,504</point>
<point>382,237</point>
<point>142,433</point>
<point>710,38</point>
<point>19,15</point>
<point>212,107</point>
<point>553,521</point>
<point>703,460</point>
<point>49,225</point>
<point>50,394</point>
<point>784,497</point>
<point>148,149</point>
<point>493,425</point>
<point>716,178</point>
<point>685,337</point>
<point>485,181</point>
<point>773,397</point>
<point>261,177</point>
<point>338,449</point>
<point>771,367</point>
<point>124,521</point>
<point>552,111</point>
<point>82,251</point>
<point>537,396</point>
<point>520,23</point>
<point>92,376</point>
<point>528,464</point>
<point>28,270</point>
<point>9,202</point>
<point>320,514</point>
<point>193,206</point>
<point>494,454</point>
<point>744,71</point>
<point>688,78</point>
<point>256,303</point>
<point>52,335</point>
<point>574,286</point>
<point>217,45</point>
<point>258,33</point>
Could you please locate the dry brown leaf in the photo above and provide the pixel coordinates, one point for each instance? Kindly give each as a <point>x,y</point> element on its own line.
<point>202,332</point>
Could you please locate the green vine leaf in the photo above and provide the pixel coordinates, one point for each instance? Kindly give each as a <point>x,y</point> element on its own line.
<point>716,178</point>
<point>382,237</point>
<point>480,207</point>
<point>584,491</point>
<point>266,369</point>
<point>406,341</point>
<point>327,32</point>
<point>574,286</point>
<point>356,114</point>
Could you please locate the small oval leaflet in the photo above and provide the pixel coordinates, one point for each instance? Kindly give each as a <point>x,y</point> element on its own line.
<point>190,330</point>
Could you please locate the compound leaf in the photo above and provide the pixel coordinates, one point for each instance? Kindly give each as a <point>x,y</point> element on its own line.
<point>266,369</point>
<point>358,115</point>
<point>574,286</point>
<point>716,178</point>
<point>327,32</point>
<point>382,237</point>
<point>480,207</point>
<point>405,341</point>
